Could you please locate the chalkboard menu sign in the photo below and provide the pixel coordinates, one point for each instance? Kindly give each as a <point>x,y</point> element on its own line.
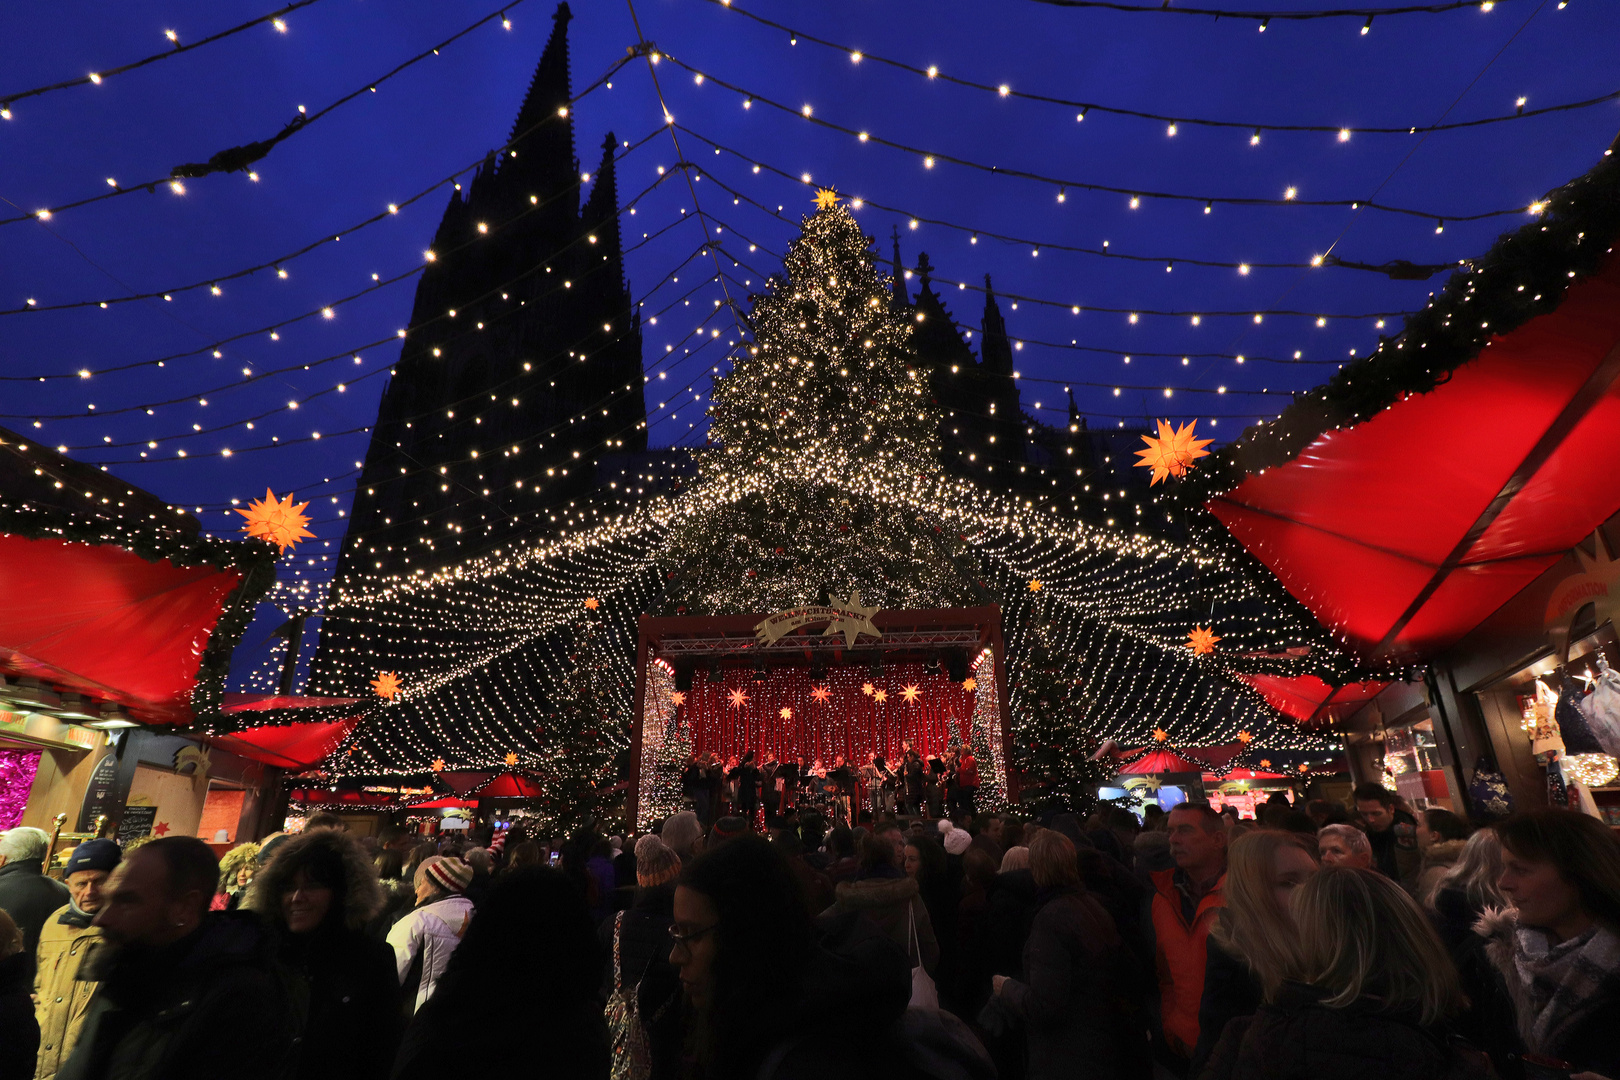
<point>136,823</point>
<point>101,795</point>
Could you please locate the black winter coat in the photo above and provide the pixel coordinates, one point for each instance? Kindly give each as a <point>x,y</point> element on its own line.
<point>1299,1038</point>
<point>29,897</point>
<point>1012,909</point>
<point>351,1004</point>
<point>1079,994</point>
<point>1490,1022</point>
<point>19,1034</point>
<point>214,1004</point>
<point>644,944</point>
<point>1230,991</point>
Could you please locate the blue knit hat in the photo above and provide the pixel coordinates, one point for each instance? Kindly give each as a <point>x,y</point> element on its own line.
<point>93,855</point>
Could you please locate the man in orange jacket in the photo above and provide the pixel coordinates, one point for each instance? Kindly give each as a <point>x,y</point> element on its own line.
<point>1185,903</point>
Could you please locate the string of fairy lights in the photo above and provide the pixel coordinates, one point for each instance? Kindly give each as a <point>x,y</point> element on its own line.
<point>1006,91</point>
<point>243,158</point>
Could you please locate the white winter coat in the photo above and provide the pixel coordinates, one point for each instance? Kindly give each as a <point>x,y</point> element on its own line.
<point>433,930</point>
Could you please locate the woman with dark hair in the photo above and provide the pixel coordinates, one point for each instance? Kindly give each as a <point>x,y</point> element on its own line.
<point>1368,992</point>
<point>1078,994</point>
<point>763,988</point>
<point>531,946</point>
<point>317,895</point>
<point>884,894</point>
<point>524,855</point>
<point>1558,947</point>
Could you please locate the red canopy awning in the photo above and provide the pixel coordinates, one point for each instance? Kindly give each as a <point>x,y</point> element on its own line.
<point>1405,531</point>
<point>102,621</point>
<point>240,703</point>
<point>510,785</point>
<point>1161,761</point>
<point>287,746</point>
<point>446,803</point>
<point>1307,698</point>
<point>1242,774</point>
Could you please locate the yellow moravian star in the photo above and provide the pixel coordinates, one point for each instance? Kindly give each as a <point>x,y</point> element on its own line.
<point>1173,452</point>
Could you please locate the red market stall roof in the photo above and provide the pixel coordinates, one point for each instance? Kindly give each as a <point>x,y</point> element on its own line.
<point>444,804</point>
<point>1423,487</point>
<point>102,621</point>
<point>1243,774</point>
<point>510,785</point>
<point>287,746</point>
<point>1161,761</point>
<point>107,591</point>
<point>1307,698</point>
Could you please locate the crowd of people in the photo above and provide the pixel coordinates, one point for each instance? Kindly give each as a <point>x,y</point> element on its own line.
<point>1314,943</point>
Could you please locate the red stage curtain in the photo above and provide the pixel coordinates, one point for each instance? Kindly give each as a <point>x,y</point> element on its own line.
<point>849,722</point>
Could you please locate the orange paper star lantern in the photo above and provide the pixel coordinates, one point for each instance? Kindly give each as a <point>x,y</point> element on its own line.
<point>880,696</point>
<point>1201,640</point>
<point>1303,767</point>
<point>678,697</point>
<point>1160,734</point>
<point>786,713</point>
<point>821,693</point>
<point>511,758</point>
<point>970,684</point>
<point>1035,586</point>
<point>1245,737</point>
<point>438,764</point>
<point>868,689</point>
<point>1265,763</point>
<point>738,699</point>
<point>278,521</point>
<point>911,693</point>
<point>386,684</point>
<point>1173,452</point>
<point>592,603</point>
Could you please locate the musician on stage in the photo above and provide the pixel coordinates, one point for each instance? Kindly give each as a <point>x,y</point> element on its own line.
<point>933,781</point>
<point>872,776</point>
<point>744,777</point>
<point>948,778</point>
<point>844,777</point>
<point>912,772</point>
<point>768,793</point>
<point>967,782</point>
<point>789,774</point>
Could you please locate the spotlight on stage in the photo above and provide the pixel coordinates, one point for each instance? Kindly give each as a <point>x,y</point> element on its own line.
<point>760,672</point>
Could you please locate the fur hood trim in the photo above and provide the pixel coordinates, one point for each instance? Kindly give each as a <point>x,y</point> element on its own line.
<point>362,894</point>
<point>1444,853</point>
<point>1499,927</point>
<point>875,892</point>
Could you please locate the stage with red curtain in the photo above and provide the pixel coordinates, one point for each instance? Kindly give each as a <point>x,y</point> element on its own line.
<point>845,720</point>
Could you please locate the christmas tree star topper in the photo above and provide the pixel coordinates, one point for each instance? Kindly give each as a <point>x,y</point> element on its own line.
<point>826,198</point>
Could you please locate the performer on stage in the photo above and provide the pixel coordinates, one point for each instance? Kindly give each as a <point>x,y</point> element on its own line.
<point>695,786</point>
<point>789,774</point>
<point>879,783</point>
<point>967,781</point>
<point>745,786</point>
<point>912,772</point>
<point>948,778</point>
<point>933,780</point>
<point>769,794</point>
<point>842,775</point>
<point>714,775</point>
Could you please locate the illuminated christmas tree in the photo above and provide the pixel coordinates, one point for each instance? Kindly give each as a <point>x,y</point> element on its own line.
<point>828,391</point>
<point>586,728</point>
<point>1053,748</point>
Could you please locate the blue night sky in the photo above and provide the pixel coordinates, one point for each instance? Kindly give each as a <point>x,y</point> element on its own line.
<point>439,117</point>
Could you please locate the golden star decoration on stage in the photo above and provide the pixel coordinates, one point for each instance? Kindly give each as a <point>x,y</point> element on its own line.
<point>854,619</point>
<point>677,697</point>
<point>868,689</point>
<point>511,757</point>
<point>880,696</point>
<point>280,522</point>
<point>1245,737</point>
<point>438,764</point>
<point>738,699</point>
<point>1173,452</point>
<point>1036,585</point>
<point>1160,734</point>
<point>826,198</point>
<point>970,684</point>
<point>592,603</point>
<point>911,693</point>
<point>1202,639</point>
<point>820,693</point>
<point>386,684</point>
<point>786,713</point>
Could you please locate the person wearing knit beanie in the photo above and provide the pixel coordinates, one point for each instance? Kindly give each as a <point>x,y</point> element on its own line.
<point>728,828</point>
<point>945,826</point>
<point>451,875</point>
<point>655,862</point>
<point>957,841</point>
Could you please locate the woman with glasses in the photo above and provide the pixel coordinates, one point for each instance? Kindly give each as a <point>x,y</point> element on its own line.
<point>317,895</point>
<point>762,985</point>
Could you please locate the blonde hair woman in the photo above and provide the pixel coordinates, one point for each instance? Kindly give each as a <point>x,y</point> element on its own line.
<point>1077,995</point>
<point>1253,944</point>
<point>1371,994</point>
